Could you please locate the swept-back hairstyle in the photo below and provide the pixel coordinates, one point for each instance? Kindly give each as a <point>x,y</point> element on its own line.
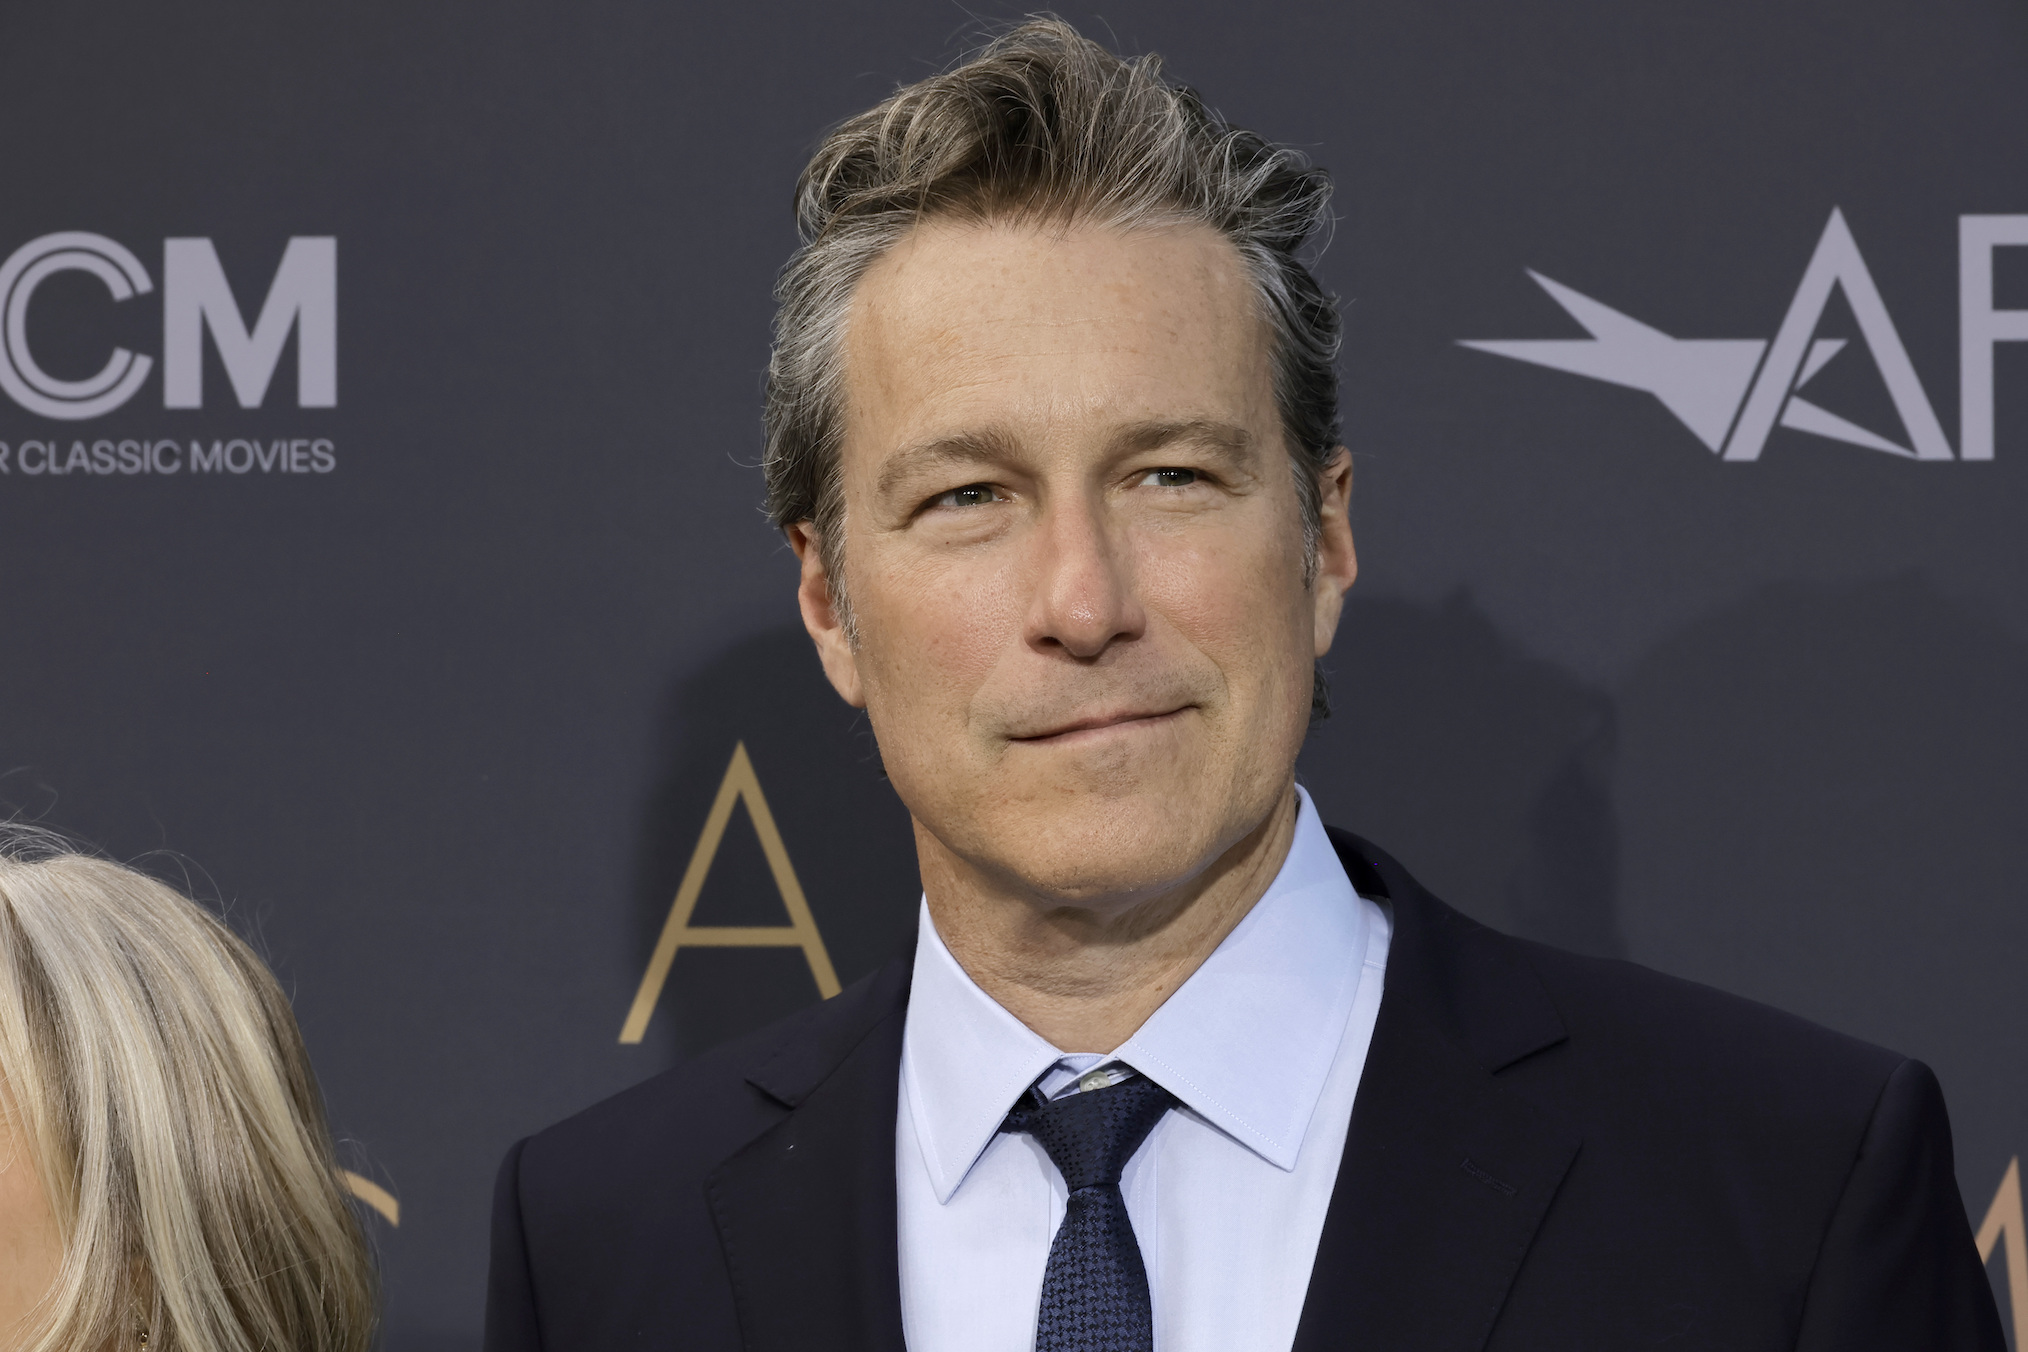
<point>1042,125</point>
<point>157,1074</point>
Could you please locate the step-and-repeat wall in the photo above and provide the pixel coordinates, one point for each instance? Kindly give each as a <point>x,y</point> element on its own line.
<point>379,393</point>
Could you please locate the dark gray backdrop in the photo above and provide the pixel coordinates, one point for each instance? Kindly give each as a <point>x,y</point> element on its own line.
<point>441,726</point>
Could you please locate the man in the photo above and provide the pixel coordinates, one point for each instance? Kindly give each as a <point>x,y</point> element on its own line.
<point>1052,427</point>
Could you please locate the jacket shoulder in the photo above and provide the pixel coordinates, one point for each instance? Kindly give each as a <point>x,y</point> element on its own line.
<point>603,1229</point>
<point>1716,1135</point>
<point>1643,1029</point>
<point>627,1175</point>
<point>687,1119</point>
<point>682,1119</point>
<point>1743,1177</point>
<point>1742,1056</point>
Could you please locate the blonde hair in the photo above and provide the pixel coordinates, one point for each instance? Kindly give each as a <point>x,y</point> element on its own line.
<point>158,1075</point>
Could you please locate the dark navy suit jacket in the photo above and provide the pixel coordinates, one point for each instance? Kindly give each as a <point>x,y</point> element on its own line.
<point>1548,1152</point>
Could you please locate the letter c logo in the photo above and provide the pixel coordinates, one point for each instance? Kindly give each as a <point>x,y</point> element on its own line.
<point>32,387</point>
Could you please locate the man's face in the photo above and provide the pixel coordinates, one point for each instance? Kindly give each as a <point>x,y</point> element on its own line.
<point>1074,554</point>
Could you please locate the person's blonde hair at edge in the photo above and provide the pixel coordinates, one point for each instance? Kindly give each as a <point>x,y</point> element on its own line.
<point>159,1077</point>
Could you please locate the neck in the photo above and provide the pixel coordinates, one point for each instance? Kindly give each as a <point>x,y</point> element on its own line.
<point>1085,975</point>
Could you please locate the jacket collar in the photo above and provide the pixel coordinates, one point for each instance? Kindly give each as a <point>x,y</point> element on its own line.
<point>1221,1043</point>
<point>806,1210</point>
<point>1447,1174</point>
<point>1446,1177</point>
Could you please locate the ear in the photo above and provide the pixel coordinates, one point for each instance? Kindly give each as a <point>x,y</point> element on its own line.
<point>823,618</point>
<point>1337,562</point>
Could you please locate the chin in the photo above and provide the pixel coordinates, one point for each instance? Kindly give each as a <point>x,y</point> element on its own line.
<point>1099,821</point>
<point>1085,847</point>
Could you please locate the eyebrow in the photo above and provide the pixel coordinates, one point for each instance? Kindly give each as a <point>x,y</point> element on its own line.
<point>961,448</point>
<point>1225,438</point>
<point>992,445</point>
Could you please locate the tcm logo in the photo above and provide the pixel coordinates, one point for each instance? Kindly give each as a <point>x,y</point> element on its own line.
<point>1730,392</point>
<point>195,297</point>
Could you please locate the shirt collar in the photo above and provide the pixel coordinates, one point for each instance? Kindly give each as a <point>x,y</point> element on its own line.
<point>1246,1043</point>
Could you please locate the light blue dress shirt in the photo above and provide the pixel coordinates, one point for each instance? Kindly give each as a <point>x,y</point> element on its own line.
<point>1263,1045</point>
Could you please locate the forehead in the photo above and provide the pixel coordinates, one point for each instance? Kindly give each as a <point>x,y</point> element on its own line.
<point>1021,324</point>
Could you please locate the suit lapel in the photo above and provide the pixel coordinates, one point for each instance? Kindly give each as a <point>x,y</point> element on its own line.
<point>806,1211</point>
<point>1445,1179</point>
<point>1446,1174</point>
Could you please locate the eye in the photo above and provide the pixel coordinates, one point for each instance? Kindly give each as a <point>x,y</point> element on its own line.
<point>1169,478</point>
<point>971,495</point>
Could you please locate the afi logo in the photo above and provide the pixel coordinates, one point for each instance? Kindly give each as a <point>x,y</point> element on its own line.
<point>195,296</point>
<point>1731,392</point>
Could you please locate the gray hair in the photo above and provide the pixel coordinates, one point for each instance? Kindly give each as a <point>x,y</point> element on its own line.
<point>155,1072</point>
<point>1042,125</point>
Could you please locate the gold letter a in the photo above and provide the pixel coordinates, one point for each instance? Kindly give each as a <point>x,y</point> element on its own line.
<point>801,932</point>
<point>2004,1218</point>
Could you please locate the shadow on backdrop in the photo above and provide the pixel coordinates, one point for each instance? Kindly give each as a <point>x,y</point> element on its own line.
<point>846,834</point>
<point>1822,790</point>
<point>1484,770</point>
<point>412,1340</point>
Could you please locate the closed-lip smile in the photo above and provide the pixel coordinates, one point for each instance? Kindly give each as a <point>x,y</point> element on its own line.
<point>1103,723</point>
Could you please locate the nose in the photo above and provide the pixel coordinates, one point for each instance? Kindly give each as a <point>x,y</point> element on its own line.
<point>1084,600</point>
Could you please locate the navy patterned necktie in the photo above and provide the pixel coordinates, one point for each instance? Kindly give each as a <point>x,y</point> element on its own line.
<point>1095,1288</point>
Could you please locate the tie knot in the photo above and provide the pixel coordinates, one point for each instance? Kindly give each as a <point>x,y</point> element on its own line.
<point>1089,1137</point>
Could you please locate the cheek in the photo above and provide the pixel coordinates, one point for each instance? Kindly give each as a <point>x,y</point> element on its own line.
<point>932,631</point>
<point>31,1251</point>
<point>1238,599</point>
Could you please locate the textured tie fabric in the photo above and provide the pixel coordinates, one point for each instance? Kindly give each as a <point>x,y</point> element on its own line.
<point>1095,1287</point>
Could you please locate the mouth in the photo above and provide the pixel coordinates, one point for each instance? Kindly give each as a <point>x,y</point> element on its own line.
<point>1098,725</point>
